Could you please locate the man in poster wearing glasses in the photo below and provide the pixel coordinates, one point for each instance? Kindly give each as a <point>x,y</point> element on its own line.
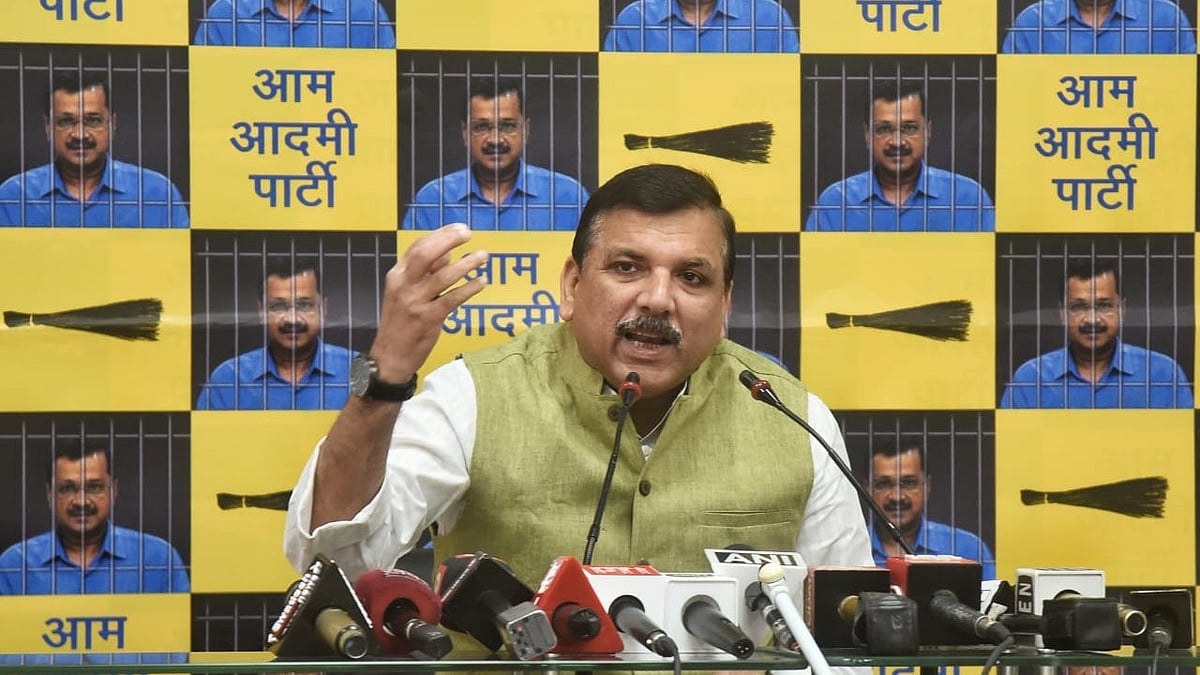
<point>84,186</point>
<point>297,370</point>
<point>86,552</point>
<point>498,191</point>
<point>901,193</point>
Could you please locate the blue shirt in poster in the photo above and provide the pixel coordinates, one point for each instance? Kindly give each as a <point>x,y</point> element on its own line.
<point>322,23</point>
<point>540,200</point>
<point>1134,27</point>
<point>935,538</point>
<point>941,201</point>
<point>128,562</point>
<point>126,196</point>
<point>252,381</point>
<point>734,26</point>
<point>1136,378</point>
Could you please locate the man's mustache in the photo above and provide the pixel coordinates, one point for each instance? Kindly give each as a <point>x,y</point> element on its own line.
<point>651,326</point>
<point>496,149</point>
<point>82,144</point>
<point>87,510</point>
<point>294,327</point>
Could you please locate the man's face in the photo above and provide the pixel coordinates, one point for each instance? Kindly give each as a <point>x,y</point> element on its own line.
<point>651,296</point>
<point>898,135</point>
<point>81,496</point>
<point>495,133</point>
<point>79,128</point>
<point>898,485</point>
<point>1093,313</point>
<point>293,312</point>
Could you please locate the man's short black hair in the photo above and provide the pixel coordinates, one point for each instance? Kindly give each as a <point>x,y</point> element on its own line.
<point>905,443</point>
<point>76,449</point>
<point>656,189</point>
<point>1085,268</point>
<point>490,88</point>
<point>74,81</point>
<point>288,266</point>
<point>891,90</point>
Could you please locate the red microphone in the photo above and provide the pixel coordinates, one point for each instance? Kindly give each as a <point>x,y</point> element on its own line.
<point>580,621</point>
<point>630,390</point>
<point>404,613</point>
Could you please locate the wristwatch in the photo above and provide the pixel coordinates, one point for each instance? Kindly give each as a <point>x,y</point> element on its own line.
<point>365,382</point>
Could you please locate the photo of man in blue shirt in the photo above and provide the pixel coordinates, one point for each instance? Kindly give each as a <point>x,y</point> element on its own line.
<point>1101,27</point>
<point>703,26</point>
<point>297,23</point>
<point>297,370</point>
<point>900,486</point>
<point>86,552</point>
<point>901,192</point>
<point>1097,369</point>
<point>83,186</point>
<point>499,190</point>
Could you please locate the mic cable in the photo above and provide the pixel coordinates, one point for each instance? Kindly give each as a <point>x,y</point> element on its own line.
<point>761,391</point>
<point>630,391</point>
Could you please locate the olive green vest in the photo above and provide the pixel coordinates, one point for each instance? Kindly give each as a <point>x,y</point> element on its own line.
<point>726,469</point>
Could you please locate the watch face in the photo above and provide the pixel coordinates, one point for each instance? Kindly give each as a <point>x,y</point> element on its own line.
<point>360,375</point>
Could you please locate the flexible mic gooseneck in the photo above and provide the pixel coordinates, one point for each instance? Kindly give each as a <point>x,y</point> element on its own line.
<point>761,391</point>
<point>630,391</point>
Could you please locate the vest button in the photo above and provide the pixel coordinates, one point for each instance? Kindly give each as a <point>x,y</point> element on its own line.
<point>614,411</point>
<point>644,487</point>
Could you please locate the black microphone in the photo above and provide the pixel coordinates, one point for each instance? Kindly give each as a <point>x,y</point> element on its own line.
<point>702,617</point>
<point>1168,618</point>
<point>946,606</point>
<point>630,616</point>
<point>761,391</point>
<point>482,597</point>
<point>630,391</point>
<point>758,601</point>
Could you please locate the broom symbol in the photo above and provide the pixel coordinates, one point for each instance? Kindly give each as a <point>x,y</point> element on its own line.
<point>948,320</point>
<point>275,501</point>
<point>1136,497</point>
<point>746,143</point>
<point>127,320</point>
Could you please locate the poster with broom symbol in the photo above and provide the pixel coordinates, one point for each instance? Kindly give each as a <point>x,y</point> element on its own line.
<point>1110,489</point>
<point>237,494</point>
<point>898,321</point>
<point>749,142</point>
<point>723,114</point>
<point>95,320</point>
<point>125,320</point>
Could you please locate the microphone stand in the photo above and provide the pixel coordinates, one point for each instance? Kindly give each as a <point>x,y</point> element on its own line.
<point>630,391</point>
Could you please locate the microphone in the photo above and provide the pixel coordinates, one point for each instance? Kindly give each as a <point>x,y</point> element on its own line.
<point>629,614</point>
<point>945,606</point>
<point>405,612</point>
<point>321,618</point>
<point>630,391</point>
<point>757,601</point>
<point>580,621</point>
<point>771,576</point>
<point>828,589</point>
<point>483,598</point>
<point>1168,618</point>
<point>761,391</point>
<point>920,577</point>
<point>702,617</point>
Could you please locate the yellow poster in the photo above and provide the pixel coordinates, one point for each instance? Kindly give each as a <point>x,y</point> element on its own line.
<point>298,139</point>
<point>1112,490</point>
<point>95,320</point>
<point>112,22</point>
<point>1102,144</point>
<point>898,320</point>
<point>522,272</point>
<point>898,26</point>
<point>735,117</point>
<point>244,465</point>
<point>75,624</point>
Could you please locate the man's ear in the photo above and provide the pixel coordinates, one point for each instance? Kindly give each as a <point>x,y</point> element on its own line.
<point>567,284</point>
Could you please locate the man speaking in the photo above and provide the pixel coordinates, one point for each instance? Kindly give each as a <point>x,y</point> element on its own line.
<point>505,450</point>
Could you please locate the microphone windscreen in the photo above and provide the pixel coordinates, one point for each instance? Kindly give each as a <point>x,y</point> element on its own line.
<point>379,589</point>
